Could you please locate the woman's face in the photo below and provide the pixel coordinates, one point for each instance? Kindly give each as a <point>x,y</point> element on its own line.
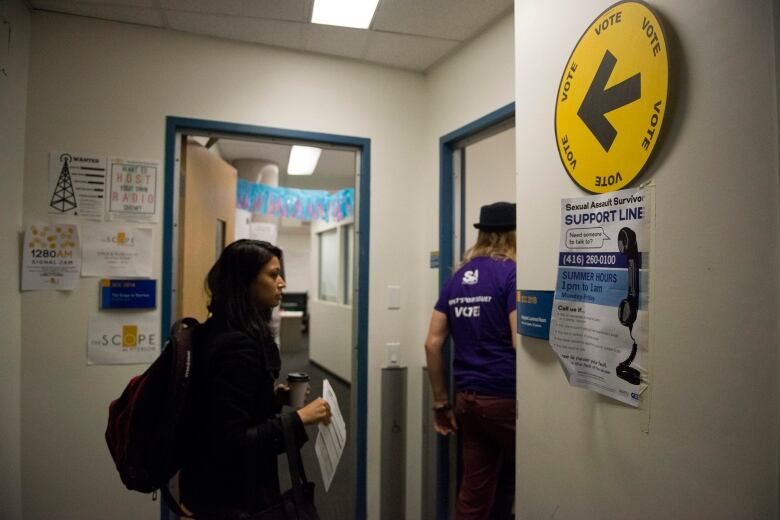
<point>269,284</point>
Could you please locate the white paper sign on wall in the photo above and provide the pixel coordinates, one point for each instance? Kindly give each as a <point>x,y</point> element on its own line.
<point>132,190</point>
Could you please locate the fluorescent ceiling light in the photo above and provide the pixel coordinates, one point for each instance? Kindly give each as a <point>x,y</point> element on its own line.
<point>345,13</point>
<point>303,160</point>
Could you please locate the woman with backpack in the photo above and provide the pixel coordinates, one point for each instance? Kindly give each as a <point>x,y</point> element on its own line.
<point>229,466</point>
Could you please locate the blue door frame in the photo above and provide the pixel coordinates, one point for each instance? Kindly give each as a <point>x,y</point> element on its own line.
<point>175,125</point>
<point>447,146</point>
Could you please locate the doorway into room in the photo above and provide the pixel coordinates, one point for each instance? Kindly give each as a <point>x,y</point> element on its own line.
<point>477,167</point>
<point>226,181</point>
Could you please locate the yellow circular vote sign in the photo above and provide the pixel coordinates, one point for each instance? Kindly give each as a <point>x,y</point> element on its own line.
<point>612,98</point>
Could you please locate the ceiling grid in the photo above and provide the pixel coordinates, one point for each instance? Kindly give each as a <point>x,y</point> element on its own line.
<point>407,34</point>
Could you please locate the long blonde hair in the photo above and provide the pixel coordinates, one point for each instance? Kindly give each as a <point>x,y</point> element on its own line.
<point>495,244</point>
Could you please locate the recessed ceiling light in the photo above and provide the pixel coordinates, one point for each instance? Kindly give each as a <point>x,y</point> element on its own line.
<point>303,160</point>
<point>345,13</point>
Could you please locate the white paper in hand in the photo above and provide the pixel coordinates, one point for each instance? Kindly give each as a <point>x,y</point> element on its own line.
<point>331,438</point>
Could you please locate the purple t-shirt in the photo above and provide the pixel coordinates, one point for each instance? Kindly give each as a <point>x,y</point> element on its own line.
<point>477,301</point>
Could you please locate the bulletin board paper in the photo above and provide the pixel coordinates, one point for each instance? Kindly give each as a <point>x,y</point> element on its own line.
<point>115,250</point>
<point>51,257</point>
<point>600,316</point>
<point>77,183</point>
<point>123,338</point>
<point>132,190</point>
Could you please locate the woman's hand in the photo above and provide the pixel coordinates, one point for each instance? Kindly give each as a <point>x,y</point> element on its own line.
<point>282,394</point>
<point>315,412</point>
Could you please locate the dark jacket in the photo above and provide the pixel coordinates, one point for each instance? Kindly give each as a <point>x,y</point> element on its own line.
<point>234,433</point>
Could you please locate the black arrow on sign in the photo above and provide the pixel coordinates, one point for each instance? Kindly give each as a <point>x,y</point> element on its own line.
<point>598,101</point>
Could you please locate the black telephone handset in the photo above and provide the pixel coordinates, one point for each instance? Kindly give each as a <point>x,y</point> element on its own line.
<point>629,305</point>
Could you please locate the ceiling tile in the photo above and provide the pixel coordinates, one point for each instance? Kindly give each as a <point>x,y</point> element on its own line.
<point>341,41</point>
<point>233,149</point>
<point>119,13</point>
<point>450,19</point>
<point>409,34</point>
<point>290,10</point>
<point>407,52</point>
<point>256,30</point>
<point>337,163</point>
<point>335,169</point>
<point>122,3</point>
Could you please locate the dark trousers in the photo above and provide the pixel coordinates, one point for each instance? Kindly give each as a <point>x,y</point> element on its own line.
<point>486,426</point>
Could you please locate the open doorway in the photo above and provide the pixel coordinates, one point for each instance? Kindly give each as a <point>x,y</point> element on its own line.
<point>210,169</point>
<point>477,167</point>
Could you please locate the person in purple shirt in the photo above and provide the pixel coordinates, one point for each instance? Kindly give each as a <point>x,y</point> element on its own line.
<point>477,307</point>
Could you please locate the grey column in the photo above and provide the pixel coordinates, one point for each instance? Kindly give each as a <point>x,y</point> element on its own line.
<point>393,457</point>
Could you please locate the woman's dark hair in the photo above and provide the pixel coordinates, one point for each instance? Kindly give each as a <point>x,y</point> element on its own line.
<point>230,284</point>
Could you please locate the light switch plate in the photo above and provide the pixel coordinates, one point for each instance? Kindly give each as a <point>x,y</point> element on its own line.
<point>393,296</point>
<point>393,354</point>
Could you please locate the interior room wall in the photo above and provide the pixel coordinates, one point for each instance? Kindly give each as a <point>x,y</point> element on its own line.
<point>712,446</point>
<point>105,87</point>
<point>242,220</point>
<point>490,177</point>
<point>293,238</point>
<point>13,107</point>
<point>330,322</point>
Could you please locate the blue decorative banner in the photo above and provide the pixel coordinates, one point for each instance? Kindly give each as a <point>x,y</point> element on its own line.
<point>534,309</point>
<point>128,294</point>
<point>297,204</point>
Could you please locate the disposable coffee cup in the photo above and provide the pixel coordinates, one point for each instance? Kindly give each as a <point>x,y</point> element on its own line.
<point>298,383</point>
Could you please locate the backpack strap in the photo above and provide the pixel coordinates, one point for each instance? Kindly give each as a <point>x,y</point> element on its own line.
<point>297,473</point>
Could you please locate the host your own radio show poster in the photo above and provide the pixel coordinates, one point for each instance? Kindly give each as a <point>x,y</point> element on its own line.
<point>600,321</point>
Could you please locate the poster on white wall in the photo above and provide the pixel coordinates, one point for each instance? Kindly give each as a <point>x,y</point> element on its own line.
<point>123,338</point>
<point>263,231</point>
<point>77,183</point>
<point>243,219</point>
<point>116,250</point>
<point>600,320</point>
<point>132,190</point>
<point>51,257</point>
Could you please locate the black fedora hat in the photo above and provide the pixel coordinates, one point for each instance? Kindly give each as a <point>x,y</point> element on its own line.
<point>499,216</point>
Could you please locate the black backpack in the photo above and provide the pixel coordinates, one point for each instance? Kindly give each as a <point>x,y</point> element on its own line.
<point>144,424</point>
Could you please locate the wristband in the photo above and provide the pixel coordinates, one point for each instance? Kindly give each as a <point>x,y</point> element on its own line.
<point>442,407</point>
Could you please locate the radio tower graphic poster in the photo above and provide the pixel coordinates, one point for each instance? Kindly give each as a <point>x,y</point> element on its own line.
<point>77,185</point>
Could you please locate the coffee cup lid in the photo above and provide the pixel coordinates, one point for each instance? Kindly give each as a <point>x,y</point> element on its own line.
<point>297,377</point>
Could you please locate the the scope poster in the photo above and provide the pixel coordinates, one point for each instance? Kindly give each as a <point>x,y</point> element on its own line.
<point>600,322</point>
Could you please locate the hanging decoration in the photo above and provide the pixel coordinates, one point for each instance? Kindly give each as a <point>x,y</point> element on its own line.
<point>294,203</point>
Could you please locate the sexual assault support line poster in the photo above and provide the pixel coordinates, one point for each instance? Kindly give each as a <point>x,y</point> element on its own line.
<point>600,321</point>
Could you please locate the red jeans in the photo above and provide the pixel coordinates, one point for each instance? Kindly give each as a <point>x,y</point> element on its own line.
<point>486,426</point>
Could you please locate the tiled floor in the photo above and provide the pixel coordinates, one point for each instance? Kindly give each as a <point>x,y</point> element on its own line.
<point>338,502</point>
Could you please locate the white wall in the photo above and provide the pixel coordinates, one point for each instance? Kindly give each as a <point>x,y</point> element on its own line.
<point>13,107</point>
<point>330,322</point>
<point>490,177</point>
<point>106,87</point>
<point>330,334</point>
<point>295,242</point>
<point>712,447</point>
